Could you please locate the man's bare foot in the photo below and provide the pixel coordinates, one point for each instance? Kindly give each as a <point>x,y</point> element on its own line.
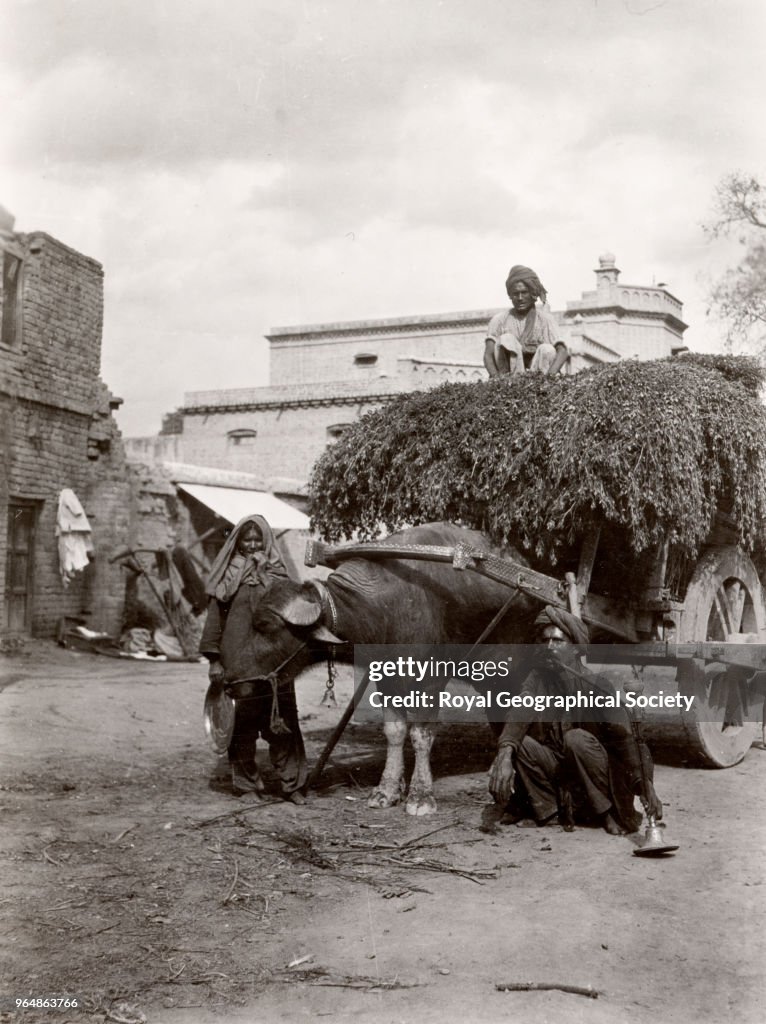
<point>242,782</point>
<point>552,819</point>
<point>611,826</point>
<point>247,790</point>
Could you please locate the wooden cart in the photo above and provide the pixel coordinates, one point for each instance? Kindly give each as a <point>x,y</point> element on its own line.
<point>689,622</point>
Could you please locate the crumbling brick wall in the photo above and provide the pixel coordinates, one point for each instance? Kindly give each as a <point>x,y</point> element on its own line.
<point>58,427</point>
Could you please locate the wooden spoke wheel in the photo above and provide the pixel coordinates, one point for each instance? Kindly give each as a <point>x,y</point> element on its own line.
<point>724,600</point>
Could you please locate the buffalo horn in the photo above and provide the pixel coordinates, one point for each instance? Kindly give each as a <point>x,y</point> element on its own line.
<point>323,633</point>
<point>301,609</point>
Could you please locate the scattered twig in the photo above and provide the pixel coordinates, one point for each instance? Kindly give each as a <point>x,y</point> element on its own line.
<point>247,910</point>
<point>245,809</point>
<point>319,976</point>
<point>250,845</point>
<point>365,983</point>
<point>417,839</point>
<point>435,865</point>
<point>66,903</point>
<point>356,848</point>
<point>544,986</point>
<point>121,835</point>
<point>101,930</point>
<point>47,856</point>
<point>352,848</point>
<point>233,883</point>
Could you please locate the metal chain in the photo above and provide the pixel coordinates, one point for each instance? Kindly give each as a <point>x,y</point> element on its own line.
<point>328,697</point>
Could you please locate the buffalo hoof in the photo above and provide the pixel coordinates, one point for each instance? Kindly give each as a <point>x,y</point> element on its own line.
<point>381,799</point>
<point>420,804</point>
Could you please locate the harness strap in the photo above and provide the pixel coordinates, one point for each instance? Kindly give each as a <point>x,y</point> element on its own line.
<point>329,608</point>
<point>319,553</point>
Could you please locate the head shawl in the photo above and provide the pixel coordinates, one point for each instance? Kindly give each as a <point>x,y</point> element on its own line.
<point>527,276</point>
<point>268,560</point>
<point>574,628</point>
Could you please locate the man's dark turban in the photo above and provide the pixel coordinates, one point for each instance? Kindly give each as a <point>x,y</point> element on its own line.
<point>574,628</point>
<point>527,276</point>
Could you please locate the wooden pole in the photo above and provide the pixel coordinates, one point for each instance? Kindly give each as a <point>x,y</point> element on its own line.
<point>338,731</point>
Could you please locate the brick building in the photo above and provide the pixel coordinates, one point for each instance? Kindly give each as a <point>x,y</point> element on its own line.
<point>56,432</point>
<point>325,376</point>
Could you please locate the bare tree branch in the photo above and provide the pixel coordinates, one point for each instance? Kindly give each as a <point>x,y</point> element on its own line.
<point>739,200</point>
<point>738,299</point>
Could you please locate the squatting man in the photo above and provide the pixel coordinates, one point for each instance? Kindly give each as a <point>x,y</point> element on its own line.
<point>571,770</point>
<point>525,337</point>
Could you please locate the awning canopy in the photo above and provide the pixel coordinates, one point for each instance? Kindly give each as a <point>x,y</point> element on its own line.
<point>233,504</point>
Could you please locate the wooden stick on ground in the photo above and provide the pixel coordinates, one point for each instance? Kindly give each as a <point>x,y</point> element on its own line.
<point>337,732</point>
<point>544,986</point>
<point>244,809</point>
<point>230,893</point>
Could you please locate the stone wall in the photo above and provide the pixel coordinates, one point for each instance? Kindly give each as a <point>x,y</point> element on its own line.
<point>364,349</point>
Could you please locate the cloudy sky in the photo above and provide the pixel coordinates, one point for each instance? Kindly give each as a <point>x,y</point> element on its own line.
<point>258,163</point>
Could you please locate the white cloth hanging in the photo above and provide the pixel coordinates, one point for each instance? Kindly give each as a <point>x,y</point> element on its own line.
<point>74,536</point>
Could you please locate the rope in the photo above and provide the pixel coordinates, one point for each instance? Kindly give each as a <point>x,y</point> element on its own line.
<point>276,723</point>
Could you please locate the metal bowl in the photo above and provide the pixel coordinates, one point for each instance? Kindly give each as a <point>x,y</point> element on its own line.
<point>218,718</point>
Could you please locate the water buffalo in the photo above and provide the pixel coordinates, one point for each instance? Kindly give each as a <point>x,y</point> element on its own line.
<point>388,601</point>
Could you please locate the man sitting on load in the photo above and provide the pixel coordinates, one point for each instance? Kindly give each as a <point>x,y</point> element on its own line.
<point>525,337</point>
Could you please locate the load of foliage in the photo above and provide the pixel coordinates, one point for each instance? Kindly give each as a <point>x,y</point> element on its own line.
<point>653,448</point>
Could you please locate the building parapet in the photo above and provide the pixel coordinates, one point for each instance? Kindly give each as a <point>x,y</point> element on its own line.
<point>469,364</point>
<point>611,297</point>
<point>36,241</point>
<point>436,322</point>
<point>638,298</point>
<point>290,395</point>
<point>620,312</point>
<point>591,350</point>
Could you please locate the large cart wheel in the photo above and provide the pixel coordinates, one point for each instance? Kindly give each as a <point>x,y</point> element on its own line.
<point>724,600</point>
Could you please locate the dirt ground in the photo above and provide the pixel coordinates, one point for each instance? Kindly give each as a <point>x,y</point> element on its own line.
<point>134,882</point>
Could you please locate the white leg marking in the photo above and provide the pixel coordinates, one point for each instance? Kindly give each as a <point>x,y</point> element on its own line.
<point>421,796</point>
<point>390,789</point>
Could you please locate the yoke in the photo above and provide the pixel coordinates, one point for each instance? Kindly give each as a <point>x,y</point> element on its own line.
<point>596,611</point>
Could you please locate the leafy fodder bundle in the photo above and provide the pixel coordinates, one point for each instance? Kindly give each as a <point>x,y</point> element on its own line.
<point>653,448</point>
